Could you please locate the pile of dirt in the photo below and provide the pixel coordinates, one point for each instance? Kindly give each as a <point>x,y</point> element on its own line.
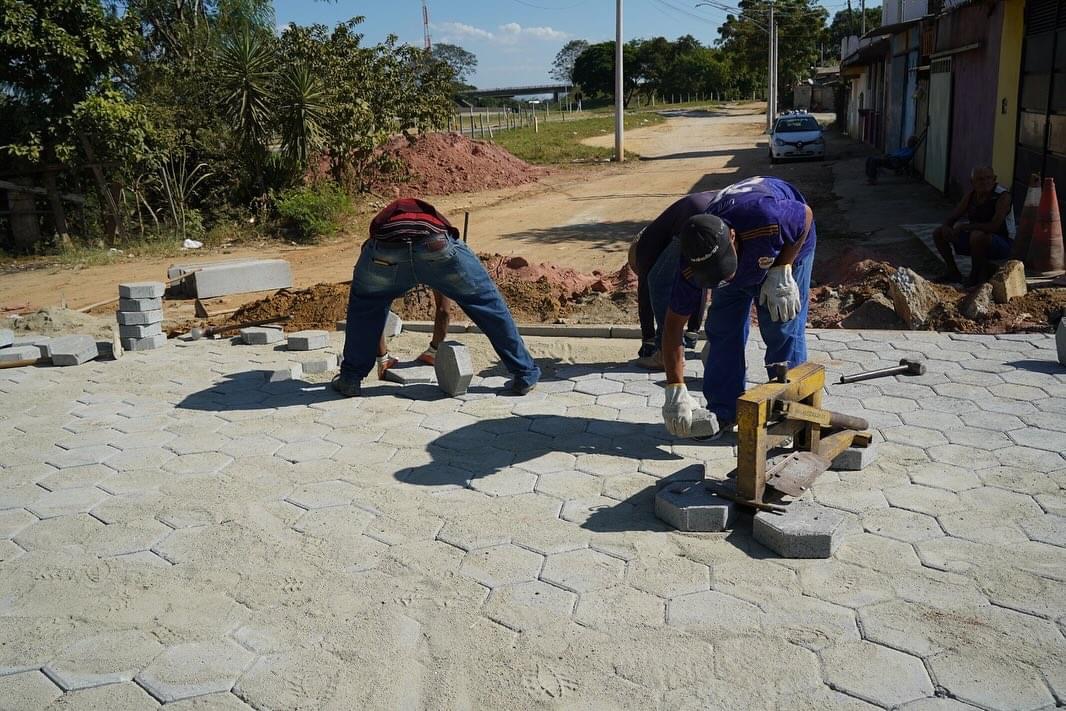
<point>444,163</point>
<point>535,293</point>
<point>841,305</point>
<point>60,322</point>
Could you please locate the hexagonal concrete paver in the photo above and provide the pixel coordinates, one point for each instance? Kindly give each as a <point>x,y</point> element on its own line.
<point>583,570</point>
<point>106,658</point>
<point>993,683</point>
<point>323,494</point>
<point>501,565</point>
<point>194,669</point>
<point>529,605</point>
<point>28,690</point>
<point>877,674</point>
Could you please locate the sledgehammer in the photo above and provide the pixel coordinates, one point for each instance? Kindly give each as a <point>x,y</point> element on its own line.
<point>198,333</point>
<point>906,367</point>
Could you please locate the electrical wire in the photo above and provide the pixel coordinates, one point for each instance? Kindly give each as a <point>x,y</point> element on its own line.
<point>542,7</point>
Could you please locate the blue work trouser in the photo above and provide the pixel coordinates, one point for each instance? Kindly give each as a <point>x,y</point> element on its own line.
<point>728,324</point>
<point>661,279</point>
<point>385,271</point>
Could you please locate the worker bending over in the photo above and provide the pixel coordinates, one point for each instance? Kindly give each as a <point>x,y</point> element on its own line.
<point>754,244</point>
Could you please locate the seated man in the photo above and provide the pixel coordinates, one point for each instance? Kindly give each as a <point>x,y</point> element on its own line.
<point>411,243</point>
<point>980,227</point>
<point>895,159</point>
<point>654,257</point>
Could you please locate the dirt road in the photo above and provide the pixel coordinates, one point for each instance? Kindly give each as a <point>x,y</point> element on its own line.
<point>582,217</point>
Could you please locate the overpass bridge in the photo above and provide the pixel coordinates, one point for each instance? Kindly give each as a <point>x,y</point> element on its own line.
<point>556,90</point>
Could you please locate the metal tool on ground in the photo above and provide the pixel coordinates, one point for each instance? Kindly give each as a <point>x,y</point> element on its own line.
<point>198,333</point>
<point>907,366</point>
<point>201,311</point>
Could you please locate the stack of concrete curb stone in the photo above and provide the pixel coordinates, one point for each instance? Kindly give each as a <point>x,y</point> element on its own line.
<point>140,315</point>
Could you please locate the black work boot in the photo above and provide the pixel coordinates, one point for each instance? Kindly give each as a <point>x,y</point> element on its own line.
<point>347,388</point>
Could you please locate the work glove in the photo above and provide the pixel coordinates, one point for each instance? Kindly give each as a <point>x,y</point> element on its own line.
<point>677,410</point>
<point>780,293</point>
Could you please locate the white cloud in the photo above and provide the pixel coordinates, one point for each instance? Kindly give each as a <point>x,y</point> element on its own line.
<point>508,33</point>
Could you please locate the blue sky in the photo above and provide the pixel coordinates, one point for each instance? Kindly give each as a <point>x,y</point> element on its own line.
<point>516,40</point>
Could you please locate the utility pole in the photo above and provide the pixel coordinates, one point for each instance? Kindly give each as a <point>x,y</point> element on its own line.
<point>428,44</point>
<point>619,113</point>
<point>862,14</point>
<point>771,73</point>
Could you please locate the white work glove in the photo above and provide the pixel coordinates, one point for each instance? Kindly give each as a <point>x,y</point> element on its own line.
<point>780,293</point>
<point>677,411</point>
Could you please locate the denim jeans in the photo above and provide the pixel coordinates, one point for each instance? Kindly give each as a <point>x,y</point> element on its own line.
<point>661,279</point>
<point>384,273</point>
<point>728,324</point>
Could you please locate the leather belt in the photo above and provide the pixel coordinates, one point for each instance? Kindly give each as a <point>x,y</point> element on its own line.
<point>407,242</point>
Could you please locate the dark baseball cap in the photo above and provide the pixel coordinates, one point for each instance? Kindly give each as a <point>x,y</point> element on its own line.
<point>708,251</point>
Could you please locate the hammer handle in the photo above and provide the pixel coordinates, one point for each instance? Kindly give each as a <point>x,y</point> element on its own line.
<point>871,374</point>
<point>246,324</point>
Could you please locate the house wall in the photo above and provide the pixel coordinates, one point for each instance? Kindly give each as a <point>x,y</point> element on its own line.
<point>1005,132</point>
<point>858,88</point>
<point>976,86</point>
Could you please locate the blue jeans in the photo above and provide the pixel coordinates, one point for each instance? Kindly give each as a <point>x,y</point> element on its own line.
<point>384,273</point>
<point>728,324</point>
<point>661,279</point>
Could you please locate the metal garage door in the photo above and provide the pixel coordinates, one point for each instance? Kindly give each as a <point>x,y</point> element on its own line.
<point>938,138</point>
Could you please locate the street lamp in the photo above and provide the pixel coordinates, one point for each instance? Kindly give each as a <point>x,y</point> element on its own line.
<point>771,71</point>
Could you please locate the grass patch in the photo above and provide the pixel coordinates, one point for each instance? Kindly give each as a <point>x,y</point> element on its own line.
<point>560,142</point>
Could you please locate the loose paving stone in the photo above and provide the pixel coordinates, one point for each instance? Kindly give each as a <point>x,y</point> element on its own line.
<point>453,368</point>
<point>307,340</point>
<point>804,530</point>
<point>149,343</point>
<point>140,304</point>
<point>855,459</point>
<point>262,335</point>
<point>15,354</point>
<point>7,337</point>
<point>138,318</point>
<point>142,290</point>
<point>73,350</point>
<point>194,669</point>
<point>393,326</point>
<point>411,374</point>
<point>691,507</point>
<point>318,366</point>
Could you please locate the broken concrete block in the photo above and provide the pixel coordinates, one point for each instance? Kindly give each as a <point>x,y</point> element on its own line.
<point>142,290</point>
<point>978,303</point>
<point>453,368</point>
<point>138,318</point>
<point>41,342</point>
<point>144,344</point>
<point>293,371</point>
<point>1009,282</point>
<point>111,349</point>
<point>325,364</point>
<point>805,530</point>
<point>875,312</point>
<point>7,337</point>
<point>140,304</point>
<point>73,350</point>
<point>689,506</point>
<point>411,374</point>
<point>912,296</point>
<point>143,331</point>
<point>393,326</point>
<point>704,423</point>
<point>308,340</point>
<point>238,277</point>
<point>1060,339</point>
<point>13,354</point>
<point>262,335</point>
<point>855,459</point>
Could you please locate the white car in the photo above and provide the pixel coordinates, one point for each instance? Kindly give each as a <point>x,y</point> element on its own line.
<point>796,135</point>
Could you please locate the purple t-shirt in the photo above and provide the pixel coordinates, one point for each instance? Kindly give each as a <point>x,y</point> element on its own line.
<point>767,213</point>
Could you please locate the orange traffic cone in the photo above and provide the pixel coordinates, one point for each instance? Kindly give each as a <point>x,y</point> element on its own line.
<point>1046,252</point>
<point>1027,222</point>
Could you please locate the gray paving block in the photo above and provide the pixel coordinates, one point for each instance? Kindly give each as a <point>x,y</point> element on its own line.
<point>805,530</point>
<point>144,344</point>
<point>689,506</point>
<point>293,371</point>
<point>73,350</point>
<point>262,335</point>
<point>625,332</point>
<point>141,331</point>
<point>855,459</point>
<point>43,343</point>
<point>13,354</point>
<point>155,304</point>
<point>138,318</point>
<point>142,290</point>
<point>241,278</point>
<point>1060,340</point>
<point>7,337</point>
<point>326,364</point>
<point>411,374</point>
<point>393,326</point>
<point>308,340</point>
<point>453,368</point>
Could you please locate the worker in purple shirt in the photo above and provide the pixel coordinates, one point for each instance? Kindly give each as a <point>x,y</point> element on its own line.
<point>755,243</point>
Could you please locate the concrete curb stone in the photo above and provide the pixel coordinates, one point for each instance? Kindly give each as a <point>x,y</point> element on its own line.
<point>142,290</point>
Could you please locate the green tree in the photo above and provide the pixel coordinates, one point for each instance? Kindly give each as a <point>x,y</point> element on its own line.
<point>594,70</point>
<point>849,22</point>
<point>800,24</point>
<point>563,65</point>
<point>462,62</point>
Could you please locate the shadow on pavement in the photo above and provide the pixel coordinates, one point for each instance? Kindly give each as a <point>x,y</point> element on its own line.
<point>600,234</point>
<point>1050,367</point>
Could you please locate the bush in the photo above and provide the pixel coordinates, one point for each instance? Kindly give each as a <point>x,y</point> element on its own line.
<point>313,211</point>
